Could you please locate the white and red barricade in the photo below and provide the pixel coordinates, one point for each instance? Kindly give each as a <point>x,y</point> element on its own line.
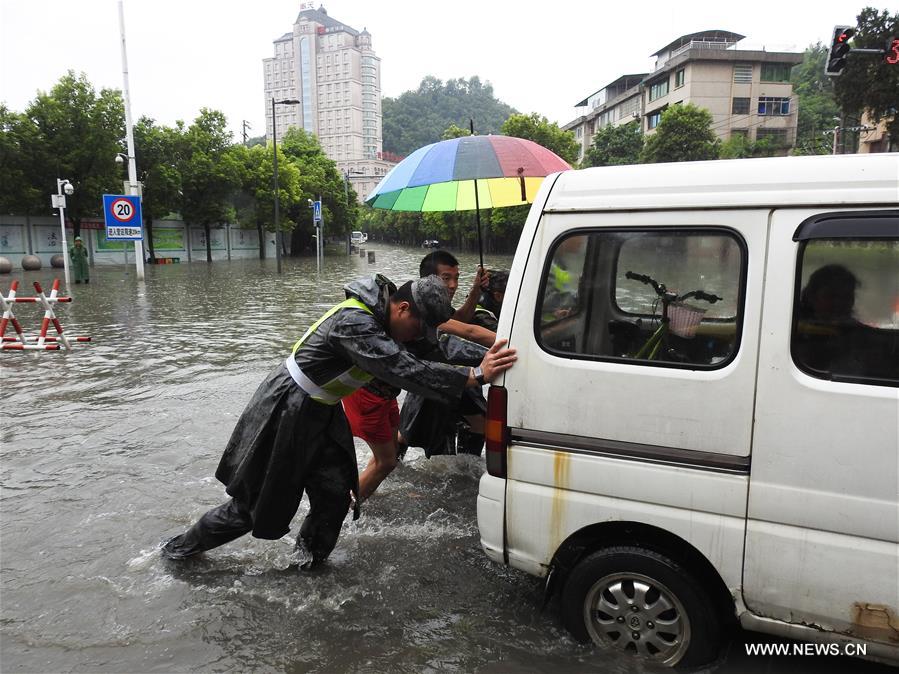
<point>42,342</point>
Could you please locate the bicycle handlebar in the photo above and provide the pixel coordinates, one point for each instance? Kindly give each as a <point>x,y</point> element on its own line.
<point>701,295</point>
<point>664,293</point>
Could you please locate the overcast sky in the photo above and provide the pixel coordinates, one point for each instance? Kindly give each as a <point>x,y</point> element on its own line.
<point>540,56</point>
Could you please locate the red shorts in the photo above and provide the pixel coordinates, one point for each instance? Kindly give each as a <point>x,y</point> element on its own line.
<point>371,417</point>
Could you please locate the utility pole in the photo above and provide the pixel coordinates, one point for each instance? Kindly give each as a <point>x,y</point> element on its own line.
<point>129,137</point>
<point>244,126</point>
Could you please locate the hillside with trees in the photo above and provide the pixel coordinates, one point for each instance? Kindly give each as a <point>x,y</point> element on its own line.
<point>420,117</point>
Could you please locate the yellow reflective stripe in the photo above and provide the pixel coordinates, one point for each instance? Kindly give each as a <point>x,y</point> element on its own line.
<point>360,374</point>
<point>350,303</point>
<point>347,381</point>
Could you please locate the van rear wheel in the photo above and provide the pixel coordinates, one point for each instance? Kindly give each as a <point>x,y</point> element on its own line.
<point>642,602</point>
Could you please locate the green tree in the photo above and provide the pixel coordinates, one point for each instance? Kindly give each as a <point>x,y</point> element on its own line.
<point>817,106</point>
<point>18,145</point>
<point>868,84</point>
<point>74,132</point>
<point>155,150</point>
<point>683,134</point>
<point>417,118</point>
<point>319,176</point>
<point>540,130</point>
<point>740,147</point>
<point>615,145</point>
<point>257,185</point>
<point>453,131</point>
<point>209,171</point>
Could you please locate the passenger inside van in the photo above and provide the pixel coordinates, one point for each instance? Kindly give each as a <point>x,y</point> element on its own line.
<point>830,341</point>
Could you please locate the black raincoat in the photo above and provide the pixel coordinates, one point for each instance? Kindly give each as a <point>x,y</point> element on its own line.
<point>286,443</point>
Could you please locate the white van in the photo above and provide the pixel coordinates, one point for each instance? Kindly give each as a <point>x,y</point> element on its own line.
<point>358,238</point>
<point>703,423</point>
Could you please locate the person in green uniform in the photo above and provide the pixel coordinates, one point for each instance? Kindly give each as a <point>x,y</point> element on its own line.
<point>293,436</point>
<point>79,260</point>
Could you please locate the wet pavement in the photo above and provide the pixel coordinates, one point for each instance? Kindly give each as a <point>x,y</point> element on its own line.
<point>110,449</point>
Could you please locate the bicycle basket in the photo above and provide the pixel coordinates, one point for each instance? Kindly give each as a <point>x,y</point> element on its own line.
<point>684,319</point>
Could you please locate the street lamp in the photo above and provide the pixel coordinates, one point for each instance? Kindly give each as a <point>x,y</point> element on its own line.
<point>63,188</point>
<point>286,101</point>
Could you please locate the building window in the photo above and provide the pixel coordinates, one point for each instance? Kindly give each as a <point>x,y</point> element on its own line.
<point>742,73</point>
<point>844,325</point>
<point>585,285</point>
<point>579,132</point>
<point>739,133</point>
<point>658,89</point>
<point>776,136</point>
<point>774,105</point>
<point>679,78</point>
<point>653,119</point>
<point>740,106</point>
<point>776,72</point>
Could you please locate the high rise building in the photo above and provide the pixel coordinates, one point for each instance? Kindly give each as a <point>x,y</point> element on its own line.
<point>334,73</point>
<point>747,92</point>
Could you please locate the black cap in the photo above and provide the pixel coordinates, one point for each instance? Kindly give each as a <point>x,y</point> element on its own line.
<point>432,300</point>
<point>497,281</point>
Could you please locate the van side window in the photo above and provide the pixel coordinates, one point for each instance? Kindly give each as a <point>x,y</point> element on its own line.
<point>846,310</point>
<point>661,297</point>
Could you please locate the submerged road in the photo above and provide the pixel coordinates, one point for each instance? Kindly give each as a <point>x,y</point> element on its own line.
<point>109,450</point>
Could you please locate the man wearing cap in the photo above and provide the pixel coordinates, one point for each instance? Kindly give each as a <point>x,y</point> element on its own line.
<point>78,257</point>
<point>293,435</point>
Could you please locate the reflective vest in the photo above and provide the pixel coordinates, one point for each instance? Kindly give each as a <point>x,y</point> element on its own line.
<point>484,310</point>
<point>331,392</point>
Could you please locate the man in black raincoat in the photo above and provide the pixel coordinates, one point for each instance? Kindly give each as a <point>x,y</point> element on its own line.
<point>293,435</point>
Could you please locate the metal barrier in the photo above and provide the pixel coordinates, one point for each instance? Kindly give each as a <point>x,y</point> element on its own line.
<point>42,342</point>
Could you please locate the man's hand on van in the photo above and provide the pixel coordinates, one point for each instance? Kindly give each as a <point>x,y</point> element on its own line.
<point>496,360</point>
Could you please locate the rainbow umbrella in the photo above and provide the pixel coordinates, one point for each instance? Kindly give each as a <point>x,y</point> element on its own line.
<point>468,173</point>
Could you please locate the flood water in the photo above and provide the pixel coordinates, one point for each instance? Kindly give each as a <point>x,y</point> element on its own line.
<point>110,449</point>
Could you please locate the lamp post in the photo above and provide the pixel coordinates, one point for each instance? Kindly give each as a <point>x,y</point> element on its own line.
<point>63,188</point>
<point>286,101</point>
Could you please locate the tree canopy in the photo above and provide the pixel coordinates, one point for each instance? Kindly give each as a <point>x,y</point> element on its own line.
<point>418,118</point>
<point>540,130</point>
<point>817,105</point>
<point>615,145</point>
<point>868,83</point>
<point>683,134</point>
<point>74,132</point>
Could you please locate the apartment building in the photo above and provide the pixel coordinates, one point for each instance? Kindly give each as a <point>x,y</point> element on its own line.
<point>747,92</point>
<point>333,71</point>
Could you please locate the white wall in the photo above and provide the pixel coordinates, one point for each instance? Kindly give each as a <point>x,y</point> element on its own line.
<point>41,236</point>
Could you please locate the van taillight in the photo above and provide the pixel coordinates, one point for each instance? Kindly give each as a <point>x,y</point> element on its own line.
<point>496,431</point>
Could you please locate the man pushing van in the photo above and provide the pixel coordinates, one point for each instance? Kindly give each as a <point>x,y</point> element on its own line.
<point>293,435</point>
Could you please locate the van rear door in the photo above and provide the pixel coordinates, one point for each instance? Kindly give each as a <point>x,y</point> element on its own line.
<point>822,544</point>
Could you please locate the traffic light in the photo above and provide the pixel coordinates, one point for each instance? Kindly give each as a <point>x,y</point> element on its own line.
<point>891,52</point>
<point>839,50</point>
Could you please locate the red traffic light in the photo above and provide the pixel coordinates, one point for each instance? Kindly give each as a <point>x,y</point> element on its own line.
<point>839,50</point>
<point>891,53</point>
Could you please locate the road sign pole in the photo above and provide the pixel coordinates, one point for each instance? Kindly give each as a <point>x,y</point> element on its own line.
<point>129,134</point>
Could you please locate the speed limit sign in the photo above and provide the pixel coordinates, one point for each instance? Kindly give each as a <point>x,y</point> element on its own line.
<point>122,214</point>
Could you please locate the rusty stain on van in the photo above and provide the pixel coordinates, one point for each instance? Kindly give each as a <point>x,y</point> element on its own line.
<point>875,621</point>
<point>561,465</point>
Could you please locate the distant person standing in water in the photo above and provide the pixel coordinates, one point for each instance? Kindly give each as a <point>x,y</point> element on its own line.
<point>80,263</point>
